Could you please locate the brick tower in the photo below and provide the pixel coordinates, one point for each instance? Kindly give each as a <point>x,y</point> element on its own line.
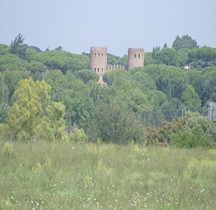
<point>135,58</point>
<point>98,59</point>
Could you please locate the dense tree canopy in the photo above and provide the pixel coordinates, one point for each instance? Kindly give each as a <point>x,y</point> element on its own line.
<point>184,42</point>
<point>53,94</point>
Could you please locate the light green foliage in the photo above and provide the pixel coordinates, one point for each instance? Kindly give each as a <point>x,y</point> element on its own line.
<point>24,115</point>
<point>200,169</point>
<point>37,168</point>
<point>40,167</point>
<point>12,62</point>
<point>32,116</point>
<point>8,149</point>
<point>12,78</point>
<point>4,130</point>
<point>52,125</point>
<point>78,135</point>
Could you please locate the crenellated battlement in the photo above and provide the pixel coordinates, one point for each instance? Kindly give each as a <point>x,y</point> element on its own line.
<point>98,49</point>
<point>114,67</point>
<point>135,49</point>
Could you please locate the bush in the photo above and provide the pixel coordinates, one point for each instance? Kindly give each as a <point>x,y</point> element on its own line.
<point>8,149</point>
<point>193,130</point>
<point>4,131</point>
<point>78,135</point>
<point>191,139</point>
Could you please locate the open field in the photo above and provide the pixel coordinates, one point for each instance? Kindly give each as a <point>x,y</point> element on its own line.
<point>44,175</point>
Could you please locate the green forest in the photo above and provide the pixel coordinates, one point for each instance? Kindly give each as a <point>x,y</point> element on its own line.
<point>53,95</point>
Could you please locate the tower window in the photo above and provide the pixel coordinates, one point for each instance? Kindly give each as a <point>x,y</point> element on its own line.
<point>134,55</point>
<point>99,54</point>
<point>98,69</point>
<point>138,55</point>
<point>95,54</point>
<point>102,54</point>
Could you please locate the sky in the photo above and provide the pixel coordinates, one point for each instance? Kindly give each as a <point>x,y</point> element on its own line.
<point>76,25</point>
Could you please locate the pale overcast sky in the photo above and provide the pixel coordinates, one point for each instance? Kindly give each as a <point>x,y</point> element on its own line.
<point>116,24</point>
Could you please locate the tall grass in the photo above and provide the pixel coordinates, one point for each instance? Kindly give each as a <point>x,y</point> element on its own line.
<point>45,175</point>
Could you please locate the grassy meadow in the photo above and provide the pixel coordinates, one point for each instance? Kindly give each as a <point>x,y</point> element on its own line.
<point>54,175</point>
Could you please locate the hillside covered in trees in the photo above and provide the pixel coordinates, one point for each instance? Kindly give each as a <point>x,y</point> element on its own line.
<point>53,94</point>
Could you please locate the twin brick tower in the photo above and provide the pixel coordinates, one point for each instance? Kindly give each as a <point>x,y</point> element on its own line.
<point>99,60</point>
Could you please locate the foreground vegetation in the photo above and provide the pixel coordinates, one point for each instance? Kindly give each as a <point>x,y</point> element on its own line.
<point>54,175</point>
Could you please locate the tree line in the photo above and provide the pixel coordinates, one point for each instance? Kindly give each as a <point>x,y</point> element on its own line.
<point>53,94</point>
